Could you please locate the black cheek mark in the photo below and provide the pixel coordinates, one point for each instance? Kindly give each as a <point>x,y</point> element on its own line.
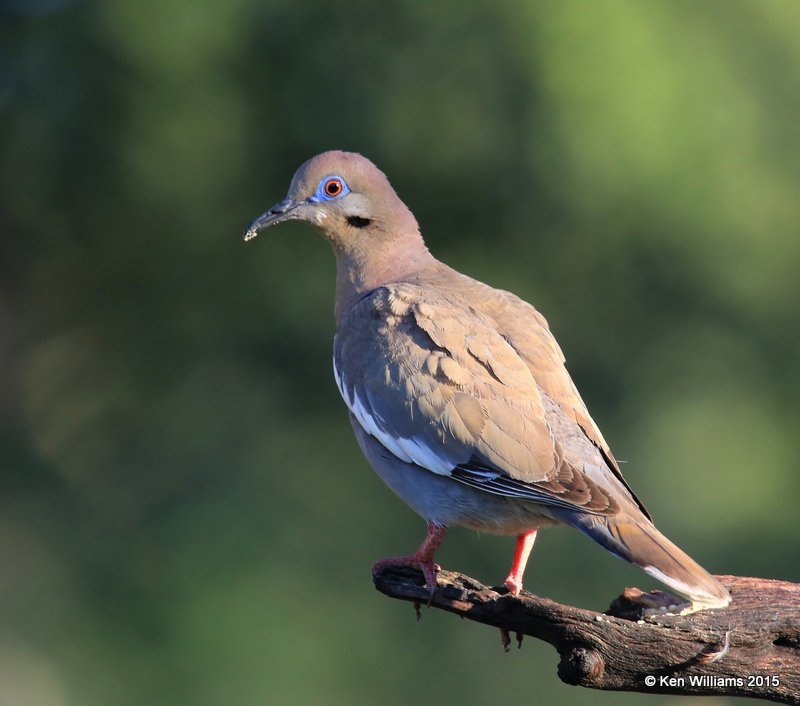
<point>358,221</point>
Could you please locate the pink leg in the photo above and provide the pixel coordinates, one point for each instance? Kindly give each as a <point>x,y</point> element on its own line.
<point>423,557</point>
<point>521,553</point>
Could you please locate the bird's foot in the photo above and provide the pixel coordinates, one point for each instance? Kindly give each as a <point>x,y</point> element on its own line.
<point>505,639</point>
<point>424,564</point>
<point>521,553</point>
<point>513,584</point>
<point>422,558</point>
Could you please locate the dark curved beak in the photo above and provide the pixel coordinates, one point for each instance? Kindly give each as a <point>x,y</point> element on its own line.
<point>286,210</point>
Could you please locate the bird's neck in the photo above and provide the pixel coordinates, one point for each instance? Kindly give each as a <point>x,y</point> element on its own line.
<point>361,270</point>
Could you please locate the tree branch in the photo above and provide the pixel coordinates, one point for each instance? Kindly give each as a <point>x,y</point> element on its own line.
<point>751,648</point>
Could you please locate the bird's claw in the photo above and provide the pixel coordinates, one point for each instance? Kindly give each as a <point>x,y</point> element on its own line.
<point>428,568</point>
<point>513,584</point>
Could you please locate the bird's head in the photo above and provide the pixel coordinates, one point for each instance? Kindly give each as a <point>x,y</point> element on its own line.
<point>350,201</point>
<point>347,198</point>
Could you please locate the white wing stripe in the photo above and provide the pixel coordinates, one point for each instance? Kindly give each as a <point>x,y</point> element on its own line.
<point>409,450</point>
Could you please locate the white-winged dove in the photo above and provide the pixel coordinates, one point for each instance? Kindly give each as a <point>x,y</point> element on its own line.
<point>458,393</point>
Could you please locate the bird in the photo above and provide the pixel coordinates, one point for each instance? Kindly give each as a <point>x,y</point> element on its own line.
<point>458,392</point>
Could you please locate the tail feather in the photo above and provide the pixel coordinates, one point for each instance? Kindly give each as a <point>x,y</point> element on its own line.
<point>638,541</point>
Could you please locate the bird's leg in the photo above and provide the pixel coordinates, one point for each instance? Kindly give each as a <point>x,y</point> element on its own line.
<point>521,553</point>
<point>422,558</point>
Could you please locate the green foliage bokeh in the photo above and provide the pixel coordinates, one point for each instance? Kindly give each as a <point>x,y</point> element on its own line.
<point>185,517</point>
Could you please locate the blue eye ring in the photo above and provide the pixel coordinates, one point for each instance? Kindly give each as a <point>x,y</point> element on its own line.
<point>331,187</point>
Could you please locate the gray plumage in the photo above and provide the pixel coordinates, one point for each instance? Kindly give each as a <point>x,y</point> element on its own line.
<point>457,391</point>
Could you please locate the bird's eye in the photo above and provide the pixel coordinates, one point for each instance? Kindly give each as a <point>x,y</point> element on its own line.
<point>333,187</point>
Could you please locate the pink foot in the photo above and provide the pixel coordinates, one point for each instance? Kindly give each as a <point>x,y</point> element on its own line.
<point>513,584</point>
<point>422,558</point>
<point>428,568</point>
<point>521,553</point>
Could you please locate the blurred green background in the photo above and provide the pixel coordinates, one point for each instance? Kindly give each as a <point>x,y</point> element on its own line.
<point>185,517</point>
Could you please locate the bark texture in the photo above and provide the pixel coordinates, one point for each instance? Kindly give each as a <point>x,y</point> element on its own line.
<point>751,648</point>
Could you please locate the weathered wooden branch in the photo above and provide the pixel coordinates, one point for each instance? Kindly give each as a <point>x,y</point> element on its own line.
<point>751,648</point>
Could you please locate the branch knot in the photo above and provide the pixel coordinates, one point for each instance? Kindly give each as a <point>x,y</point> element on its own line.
<point>581,666</point>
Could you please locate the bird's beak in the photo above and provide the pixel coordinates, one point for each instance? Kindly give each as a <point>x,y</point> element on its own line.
<point>286,210</point>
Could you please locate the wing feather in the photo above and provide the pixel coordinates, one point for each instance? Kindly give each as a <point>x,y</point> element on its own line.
<point>437,384</point>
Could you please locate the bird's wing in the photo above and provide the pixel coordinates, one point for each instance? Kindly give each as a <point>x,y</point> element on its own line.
<point>527,331</point>
<point>435,382</point>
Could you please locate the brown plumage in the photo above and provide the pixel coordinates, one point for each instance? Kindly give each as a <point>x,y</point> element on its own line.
<point>458,392</point>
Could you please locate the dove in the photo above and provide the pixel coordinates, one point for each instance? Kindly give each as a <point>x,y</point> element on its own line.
<point>458,392</point>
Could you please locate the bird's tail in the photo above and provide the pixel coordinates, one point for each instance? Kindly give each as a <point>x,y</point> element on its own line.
<point>638,541</point>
